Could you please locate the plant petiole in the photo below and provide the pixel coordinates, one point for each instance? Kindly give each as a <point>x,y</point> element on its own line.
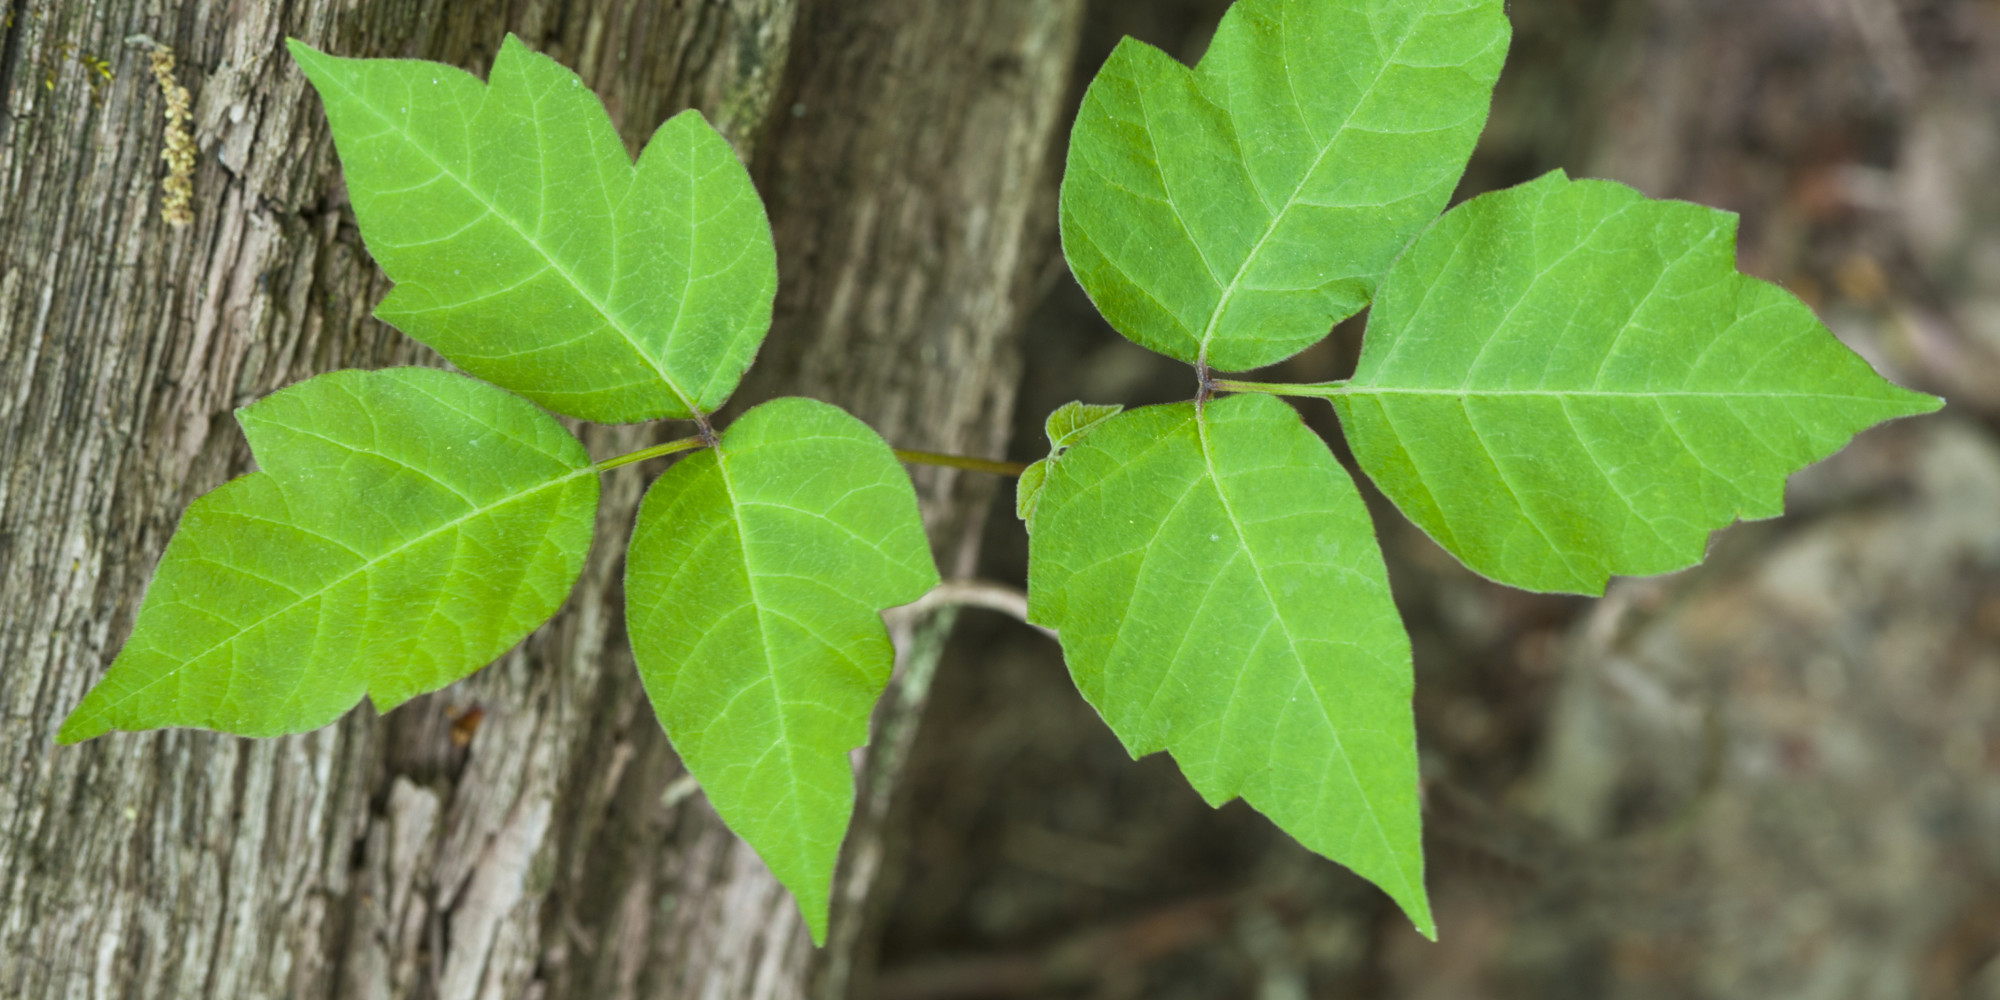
<point>993,466</point>
<point>698,442</point>
<point>1321,390</point>
<point>1008,600</point>
<point>670,448</point>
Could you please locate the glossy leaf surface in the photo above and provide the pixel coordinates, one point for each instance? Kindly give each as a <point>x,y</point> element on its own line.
<point>1218,591</point>
<point>526,246</point>
<point>754,588</point>
<point>1567,380</point>
<point>1239,210</point>
<point>408,526</point>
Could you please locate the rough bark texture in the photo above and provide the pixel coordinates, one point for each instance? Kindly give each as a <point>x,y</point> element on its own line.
<point>526,833</point>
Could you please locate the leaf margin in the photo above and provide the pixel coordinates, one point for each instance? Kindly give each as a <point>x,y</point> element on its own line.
<point>1393,470</point>
<point>808,882</point>
<point>279,470</point>
<point>1053,605</point>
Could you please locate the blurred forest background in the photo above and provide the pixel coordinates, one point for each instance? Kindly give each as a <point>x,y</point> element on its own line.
<point>1773,776</point>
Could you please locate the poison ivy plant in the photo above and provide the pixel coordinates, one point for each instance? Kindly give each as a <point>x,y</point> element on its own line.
<point>409,526</point>
<point>1559,382</point>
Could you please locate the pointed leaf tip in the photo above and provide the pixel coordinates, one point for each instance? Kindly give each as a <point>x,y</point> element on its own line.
<point>754,589</point>
<point>1218,593</point>
<point>405,528</point>
<point>1567,380</point>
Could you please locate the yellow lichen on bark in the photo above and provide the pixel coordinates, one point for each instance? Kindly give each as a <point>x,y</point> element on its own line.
<point>177,188</point>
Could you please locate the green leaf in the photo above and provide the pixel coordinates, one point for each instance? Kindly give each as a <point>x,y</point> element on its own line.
<point>1069,422</point>
<point>1218,592</point>
<point>1567,380</point>
<point>1072,420</point>
<point>408,526</point>
<point>754,588</point>
<point>1028,490</point>
<point>1238,211</point>
<point>528,249</point>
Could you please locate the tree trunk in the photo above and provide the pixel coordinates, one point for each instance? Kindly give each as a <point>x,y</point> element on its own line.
<point>527,832</point>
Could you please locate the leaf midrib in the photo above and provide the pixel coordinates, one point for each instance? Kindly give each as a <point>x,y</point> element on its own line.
<point>602,308</point>
<point>1257,569</point>
<point>363,567</point>
<point>784,742</point>
<point>1368,390</point>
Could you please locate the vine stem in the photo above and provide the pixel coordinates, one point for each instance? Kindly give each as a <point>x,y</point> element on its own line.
<point>1320,390</point>
<point>707,430</point>
<point>701,441</point>
<point>1009,601</point>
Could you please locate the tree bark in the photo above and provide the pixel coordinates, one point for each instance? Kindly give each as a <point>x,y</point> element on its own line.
<point>527,832</point>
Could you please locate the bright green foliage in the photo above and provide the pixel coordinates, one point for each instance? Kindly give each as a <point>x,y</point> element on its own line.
<point>1218,592</point>
<point>529,250</point>
<point>1560,382</point>
<point>1237,211</point>
<point>408,527</point>
<point>1071,420</point>
<point>754,588</point>
<point>1028,490</point>
<point>1064,426</point>
<point>1567,380</point>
